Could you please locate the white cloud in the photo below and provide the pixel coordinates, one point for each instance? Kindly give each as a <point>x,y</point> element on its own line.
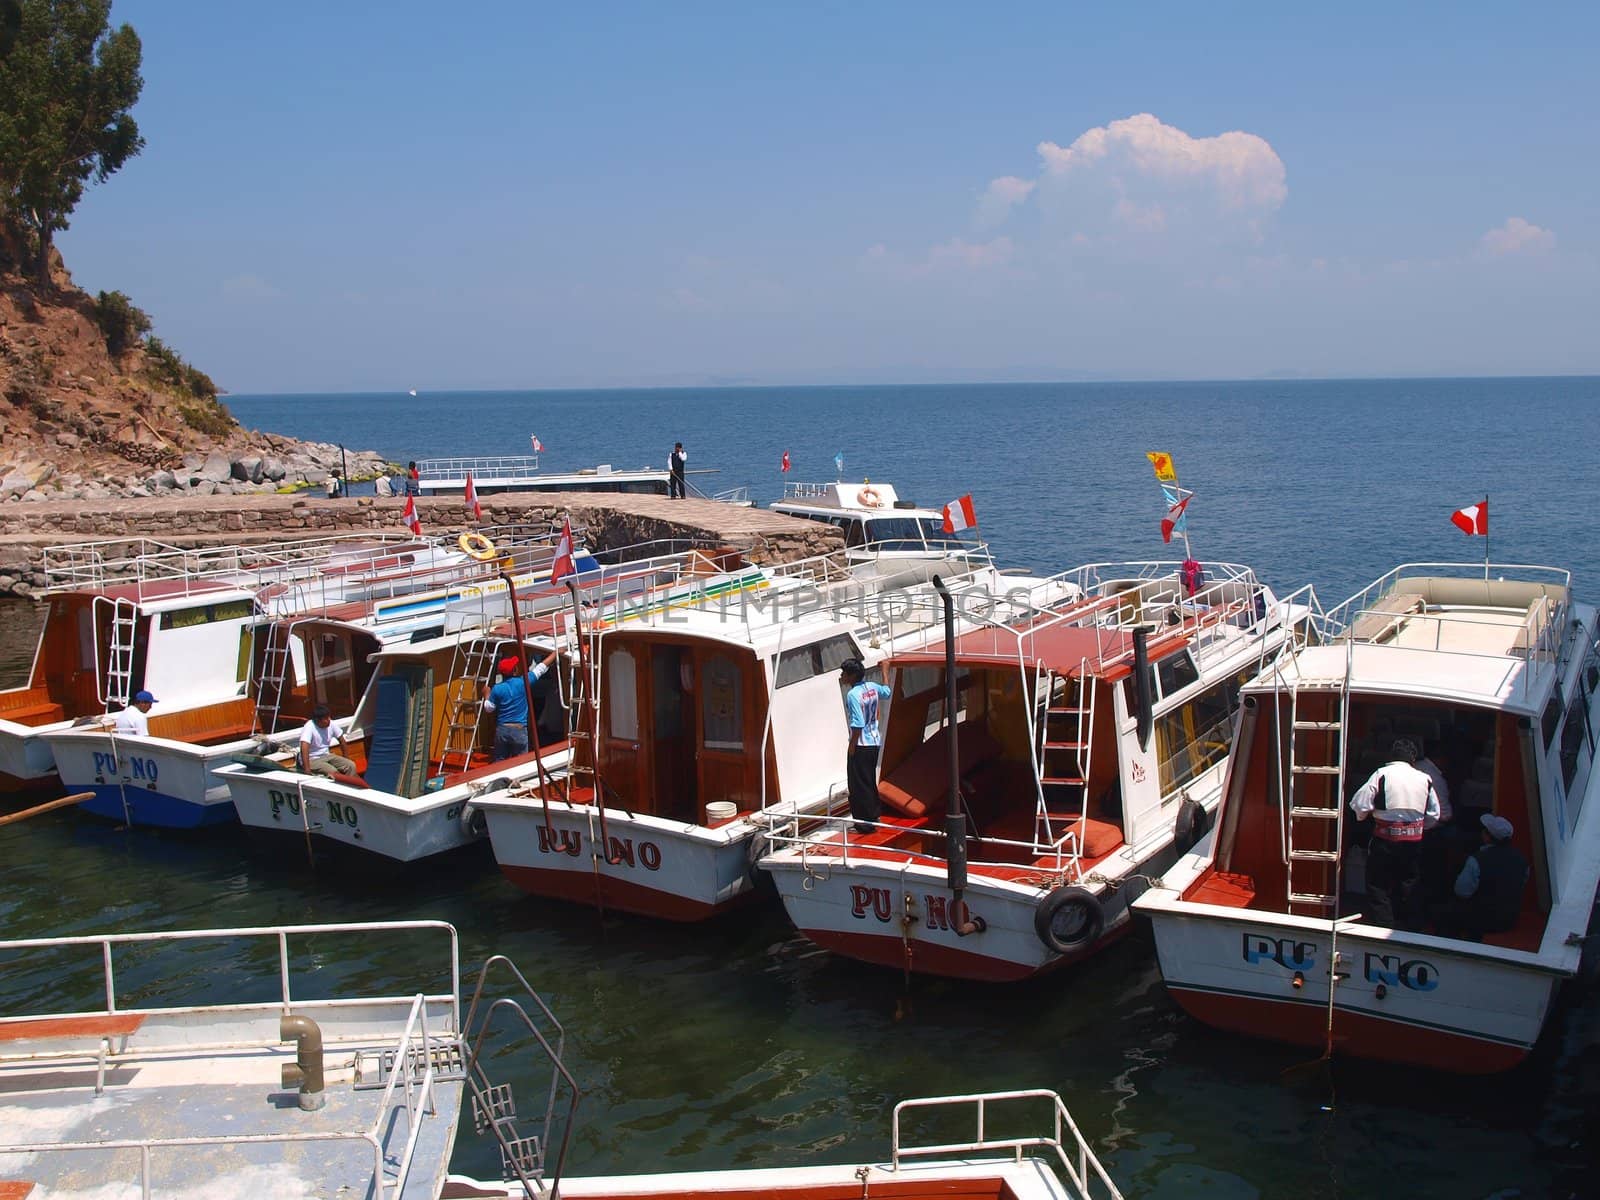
<point>972,254</point>
<point>1517,236</point>
<point>1001,196</point>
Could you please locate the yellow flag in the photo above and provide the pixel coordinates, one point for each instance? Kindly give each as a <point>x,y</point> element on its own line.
<point>1166,472</point>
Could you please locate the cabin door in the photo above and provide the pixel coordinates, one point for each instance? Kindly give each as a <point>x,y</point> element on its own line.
<point>672,721</point>
<point>728,738</point>
<point>625,758</point>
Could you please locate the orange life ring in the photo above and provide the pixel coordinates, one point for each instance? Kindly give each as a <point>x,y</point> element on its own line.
<point>477,545</point>
<point>868,497</point>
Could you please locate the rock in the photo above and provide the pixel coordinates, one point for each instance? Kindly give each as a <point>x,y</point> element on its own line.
<point>251,466</point>
<point>205,487</point>
<point>162,480</point>
<point>33,494</point>
<point>273,469</point>
<point>194,462</point>
<point>218,468</point>
<point>67,440</point>
<point>26,477</point>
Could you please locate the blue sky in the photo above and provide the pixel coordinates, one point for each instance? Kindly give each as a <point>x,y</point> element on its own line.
<point>351,196</point>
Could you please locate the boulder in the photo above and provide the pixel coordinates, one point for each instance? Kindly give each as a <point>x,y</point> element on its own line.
<point>218,468</point>
<point>273,469</point>
<point>193,462</point>
<point>252,468</point>
<point>162,481</point>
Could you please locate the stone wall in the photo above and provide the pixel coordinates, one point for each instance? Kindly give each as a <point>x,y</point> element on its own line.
<point>611,522</point>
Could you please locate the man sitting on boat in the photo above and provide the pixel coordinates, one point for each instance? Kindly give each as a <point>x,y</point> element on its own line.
<point>135,719</point>
<point>316,746</point>
<point>1400,800</point>
<point>508,701</point>
<point>1489,888</point>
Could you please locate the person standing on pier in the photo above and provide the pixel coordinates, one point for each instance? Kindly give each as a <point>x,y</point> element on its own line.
<point>675,462</point>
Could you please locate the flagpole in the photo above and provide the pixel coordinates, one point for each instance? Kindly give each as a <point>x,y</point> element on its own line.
<point>1486,537</point>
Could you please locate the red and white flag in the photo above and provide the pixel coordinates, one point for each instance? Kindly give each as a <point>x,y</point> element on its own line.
<point>785,466</point>
<point>563,564</point>
<point>408,516</point>
<point>959,515</point>
<point>538,446</point>
<point>1474,518</point>
<point>472,499</point>
<point>1174,519</point>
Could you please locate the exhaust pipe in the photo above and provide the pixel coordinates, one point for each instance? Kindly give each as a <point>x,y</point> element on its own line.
<point>305,1072</point>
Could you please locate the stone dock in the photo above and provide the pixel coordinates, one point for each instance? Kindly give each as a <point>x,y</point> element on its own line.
<point>611,520</point>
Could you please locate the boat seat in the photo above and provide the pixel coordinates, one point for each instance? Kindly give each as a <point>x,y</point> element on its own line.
<point>1225,889</point>
<point>1385,617</point>
<point>79,1038</point>
<point>1526,934</point>
<point>224,722</point>
<point>921,781</point>
<point>35,714</point>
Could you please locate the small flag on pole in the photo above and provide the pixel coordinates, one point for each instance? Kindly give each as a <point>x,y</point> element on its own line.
<point>1472,519</point>
<point>785,467</point>
<point>472,499</point>
<point>838,462</point>
<point>408,516</point>
<point>563,564</point>
<point>1176,520</point>
<point>538,446</point>
<point>959,515</point>
<point>1161,462</point>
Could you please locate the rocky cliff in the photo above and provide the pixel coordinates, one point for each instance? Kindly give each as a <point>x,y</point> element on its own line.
<point>78,420</point>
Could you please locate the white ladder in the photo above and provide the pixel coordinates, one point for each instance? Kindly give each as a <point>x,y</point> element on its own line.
<point>1316,796</point>
<point>464,701</point>
<point>1064,728</point>
<point>275,658</point>
<point>116,687</point>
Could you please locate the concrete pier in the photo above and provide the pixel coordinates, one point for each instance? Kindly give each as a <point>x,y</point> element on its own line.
<point>612,520</point>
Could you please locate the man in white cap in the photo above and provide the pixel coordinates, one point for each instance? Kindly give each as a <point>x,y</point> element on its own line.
<point>1400,800</point>
<point>1489,888</point>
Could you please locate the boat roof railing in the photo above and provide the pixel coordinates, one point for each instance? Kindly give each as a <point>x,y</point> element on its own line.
<point>1062,1144</point>
<point>493,467</point>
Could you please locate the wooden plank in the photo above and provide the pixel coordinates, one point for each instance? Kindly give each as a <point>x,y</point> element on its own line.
<point>116,1025</point>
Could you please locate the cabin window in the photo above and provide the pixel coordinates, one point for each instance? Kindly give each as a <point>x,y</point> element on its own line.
<point>1552,716</point>
<point>1576,745</point>
<point>622,697</point>
<point>721,710</point>
<point>188,618</point>
<point>1176,672</point>
<point>819,658</point>
<point>1195,736</point>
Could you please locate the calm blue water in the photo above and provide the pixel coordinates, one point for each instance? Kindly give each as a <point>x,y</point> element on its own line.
<point>737,1043</point>
<point>1329,483</point>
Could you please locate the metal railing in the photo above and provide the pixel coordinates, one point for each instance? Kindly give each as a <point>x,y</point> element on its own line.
<point>484,469</point>
<point>1064,1146</point>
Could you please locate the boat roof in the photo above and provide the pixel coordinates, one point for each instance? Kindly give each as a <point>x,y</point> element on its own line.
<point>842,498</point>
<point>165,595</point>
<point>1062,648</point>
<point>506,470</point>
<point>1446,631</point>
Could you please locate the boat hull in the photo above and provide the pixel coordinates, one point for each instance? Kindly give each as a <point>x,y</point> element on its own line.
<point>1402,1000</point>
<point>25,757</point>
<point>166,784</point>
<point>652,868</point>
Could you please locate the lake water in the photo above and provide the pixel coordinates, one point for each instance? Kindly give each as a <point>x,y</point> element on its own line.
<point>736,1043</point>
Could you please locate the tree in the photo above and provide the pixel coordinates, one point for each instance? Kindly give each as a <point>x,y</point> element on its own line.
<point>67,85</point>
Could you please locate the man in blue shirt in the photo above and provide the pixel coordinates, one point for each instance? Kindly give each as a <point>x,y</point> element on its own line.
<point>862,705</point>
<point>508,701</point>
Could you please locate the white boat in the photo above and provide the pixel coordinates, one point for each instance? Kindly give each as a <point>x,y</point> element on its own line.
<point>1089,743</point>
<point>1260,930</point>
<point>522,473</point>
<point>882,533</point>
<point>703,725</point>
<point>311,1088</point>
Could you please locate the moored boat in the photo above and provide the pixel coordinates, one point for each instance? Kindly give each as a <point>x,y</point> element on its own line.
<point>1267,928</point>
<point>1088,744</point>
<point>883,534</point>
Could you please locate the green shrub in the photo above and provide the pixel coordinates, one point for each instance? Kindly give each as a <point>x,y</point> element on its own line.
<point>121,320</point>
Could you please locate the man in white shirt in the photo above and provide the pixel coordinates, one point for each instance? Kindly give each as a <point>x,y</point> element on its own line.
<point>316,746</point>
<point>1400,800</point>
<point>135,718</point>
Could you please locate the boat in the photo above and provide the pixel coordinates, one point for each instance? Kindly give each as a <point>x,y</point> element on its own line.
<point>311,1084</point>
<point>700,725</point>
<point>1087,753</point>
<point>882,532</point>
<point>494,474</point>
<point>1260,929</point>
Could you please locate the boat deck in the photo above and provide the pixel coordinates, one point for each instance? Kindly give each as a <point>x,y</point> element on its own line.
<point>214,1121</point>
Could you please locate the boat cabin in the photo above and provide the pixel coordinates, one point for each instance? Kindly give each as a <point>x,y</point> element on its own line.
<point>871,516</point>
<point>521,473</point>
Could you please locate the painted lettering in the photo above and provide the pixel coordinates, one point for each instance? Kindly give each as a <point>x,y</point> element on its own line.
<point>650,856</point>
<point>342,814</point>
<point>1286,952</point>
<point>559,841</point>
<point>864,899</point>
<point>620,851</point>
<point>937,917</point>
<point>144,768</point>
<point>1414,974</point>
<point>453,813</point>
<point>104,764</point>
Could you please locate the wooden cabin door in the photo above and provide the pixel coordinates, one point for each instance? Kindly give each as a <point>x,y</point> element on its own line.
<point>626,751</point>
<point>728,733</point>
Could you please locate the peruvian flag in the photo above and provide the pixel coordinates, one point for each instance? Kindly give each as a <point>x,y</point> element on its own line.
<point>1175,519</point>
<point>472,499</point>
<point>1472,519</point>
<point>408,516</point>
<point>538,446</point>
<point>563,564</point>
<point>785,465</point>
<point>959,515</point>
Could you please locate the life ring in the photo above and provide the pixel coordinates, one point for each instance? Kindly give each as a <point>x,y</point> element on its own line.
<point>1192,824</point>
<point>477,545</point>
<point>868,497</point>
<point>1069,919</point>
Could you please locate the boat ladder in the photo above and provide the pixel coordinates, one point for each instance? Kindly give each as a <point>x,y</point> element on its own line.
<point>1063,728</point>
<point>1314,838</point>
<point>275,660</point>
<point>584,719</point>
<point>117,683</point>
<point>473,666</point>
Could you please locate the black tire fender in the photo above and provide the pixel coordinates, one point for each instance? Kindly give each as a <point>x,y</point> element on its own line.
<point>1192,824</point>
<point>1069,919</point>
<point>757,848</point>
